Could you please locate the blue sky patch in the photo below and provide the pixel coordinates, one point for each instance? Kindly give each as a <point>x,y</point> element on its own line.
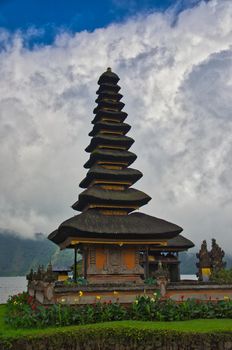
<point>45,18</point>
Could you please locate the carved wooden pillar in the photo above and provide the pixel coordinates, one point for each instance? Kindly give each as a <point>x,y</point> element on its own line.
<point>75,264</point>
<point>146,267</point>
<point>85,261</point>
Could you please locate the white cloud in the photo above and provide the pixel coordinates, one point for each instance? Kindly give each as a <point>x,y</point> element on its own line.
<point>176,81</point>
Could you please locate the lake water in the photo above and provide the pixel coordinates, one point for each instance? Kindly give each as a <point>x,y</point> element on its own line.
<point>14,285</point>
<point>10,286</point>
<point>189,277</point>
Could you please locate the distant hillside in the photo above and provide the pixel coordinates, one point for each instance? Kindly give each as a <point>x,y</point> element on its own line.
<point>18,255</point>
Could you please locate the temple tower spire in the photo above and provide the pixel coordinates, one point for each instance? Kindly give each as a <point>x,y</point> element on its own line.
<point>109,179</point>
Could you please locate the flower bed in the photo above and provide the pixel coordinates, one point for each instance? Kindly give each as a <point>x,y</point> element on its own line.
<point>23,311</point>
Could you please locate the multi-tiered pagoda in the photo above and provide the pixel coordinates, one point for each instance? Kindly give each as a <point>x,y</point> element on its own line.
<point>117,243</point>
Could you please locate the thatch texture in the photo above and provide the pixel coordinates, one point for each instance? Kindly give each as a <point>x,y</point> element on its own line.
<point>110,156</point>
<point>98,195</point>
<point>109,140</point>
<point>108,95</point>
<point>113,127</point>
<point>115,105</point>
<point>133,226</point>
<point>113,115</point>
<point>108,87</point>
<point>99,173</point>
<point>178,243</point>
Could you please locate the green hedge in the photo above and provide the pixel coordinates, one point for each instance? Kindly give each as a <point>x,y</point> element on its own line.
<point>121,338</point>
<point>222,276</point>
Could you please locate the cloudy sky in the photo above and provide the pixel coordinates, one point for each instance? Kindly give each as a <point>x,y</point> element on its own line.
<point>174,59</point>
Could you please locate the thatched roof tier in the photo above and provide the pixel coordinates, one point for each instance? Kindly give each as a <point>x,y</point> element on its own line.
<point>178,243</point>
<point>110,127</point>
<point>108,96</point>
<point>109,105</point>
<point>120,141</point>
<point>106,155</point>
<point>108,87</point>
<point>106,115</point>
<point>96,195</point>
<point>99,173</point>
<point>132,227</point>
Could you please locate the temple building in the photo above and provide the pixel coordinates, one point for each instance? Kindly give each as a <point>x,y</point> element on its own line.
<point>118,244</point>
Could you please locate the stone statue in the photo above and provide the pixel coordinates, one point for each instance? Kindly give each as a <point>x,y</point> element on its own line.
<point>162,278</point>
<point>30,275</point>
<point>217,255</point>
<point>49,275</point>
<point>204,264</point>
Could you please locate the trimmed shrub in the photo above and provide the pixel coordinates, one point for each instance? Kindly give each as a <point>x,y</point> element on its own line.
<point>121,338</point>
<point>222,276</point>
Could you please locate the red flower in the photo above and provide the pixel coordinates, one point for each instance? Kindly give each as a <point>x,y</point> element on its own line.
<point>33,307</point>
<point>30,299</point>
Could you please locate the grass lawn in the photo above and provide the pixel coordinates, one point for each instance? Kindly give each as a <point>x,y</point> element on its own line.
<point>196,326</point>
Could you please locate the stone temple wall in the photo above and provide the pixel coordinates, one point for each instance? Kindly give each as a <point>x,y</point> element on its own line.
<point>57,292</point>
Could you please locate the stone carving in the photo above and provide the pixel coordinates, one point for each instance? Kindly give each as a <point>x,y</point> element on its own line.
<point>115,264</point>
<point>49,275</point>
<point>209,261</point>
<point>92,256</point>
<point>115,257</point>
<point>138,268</point>
<point>162,277</point>
<point>204,260</point>
<point>203,256</point>
<point>42,275</point>
<point>217,255</point>
<point>49,292</point>
<point>114,261</point>
<point>92,261</point>
<point>161,271</point>
<point>30,275</point>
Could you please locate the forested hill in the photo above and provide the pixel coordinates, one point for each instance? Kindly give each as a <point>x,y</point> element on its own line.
<point>18,255</point>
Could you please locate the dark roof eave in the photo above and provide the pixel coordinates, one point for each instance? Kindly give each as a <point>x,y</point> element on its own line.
<point>118,116</point>
<point>113,127</point>
<point>99,173</point>
<point>114,140</point>
<point>93,223</point>
<point>101,196</point>
<point>110,155</point>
